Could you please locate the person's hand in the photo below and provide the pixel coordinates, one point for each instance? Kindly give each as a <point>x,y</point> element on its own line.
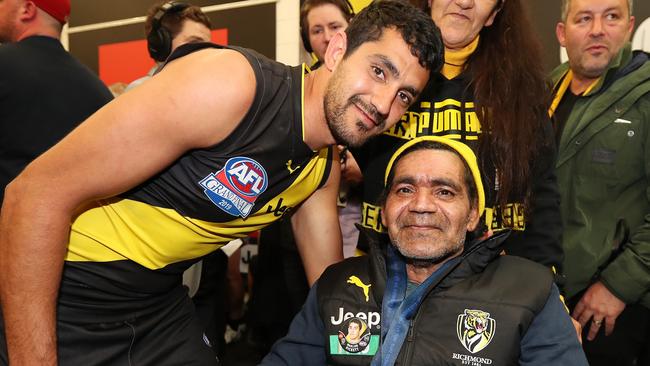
<point>578,328</point>
<point>599,305</point>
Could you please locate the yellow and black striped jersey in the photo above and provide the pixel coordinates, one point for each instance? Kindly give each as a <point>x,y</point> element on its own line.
<point>210,196</point>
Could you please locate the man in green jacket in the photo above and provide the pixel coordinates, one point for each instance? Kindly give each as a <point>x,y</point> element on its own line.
<point>602,120</point>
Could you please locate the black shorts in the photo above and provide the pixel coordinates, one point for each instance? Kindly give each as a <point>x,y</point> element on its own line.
<point>96,328</point>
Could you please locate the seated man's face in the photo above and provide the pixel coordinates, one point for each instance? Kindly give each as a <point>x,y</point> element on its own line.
<point>191,32</point>
<point>427,211</point>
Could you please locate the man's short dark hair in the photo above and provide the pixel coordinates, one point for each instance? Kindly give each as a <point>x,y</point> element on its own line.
<point>472,191</point>
<point>415,26</point>
<point>173,21</point>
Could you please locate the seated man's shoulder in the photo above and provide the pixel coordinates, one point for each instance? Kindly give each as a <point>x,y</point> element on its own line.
<point>352,282</point>
<point>347,267</point>
<point>506,265</point>
<point>514,281</point>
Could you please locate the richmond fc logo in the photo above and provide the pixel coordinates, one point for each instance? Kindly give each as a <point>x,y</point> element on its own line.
<point>475,329</point>
<point>236,186</point>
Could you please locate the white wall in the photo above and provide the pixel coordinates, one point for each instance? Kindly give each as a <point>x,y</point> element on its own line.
<point>287,31</point>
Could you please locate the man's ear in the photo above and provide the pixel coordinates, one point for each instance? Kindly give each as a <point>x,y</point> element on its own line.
<point>560,33</point>
<point>472,219</point>
<point>27,11</point>
<point>631,28</point>
<point>381,214</point>
<point>335,50</point>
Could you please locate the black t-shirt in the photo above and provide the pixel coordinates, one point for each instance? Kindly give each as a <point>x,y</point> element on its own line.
<point>44,94</point>
<point>562,112</point>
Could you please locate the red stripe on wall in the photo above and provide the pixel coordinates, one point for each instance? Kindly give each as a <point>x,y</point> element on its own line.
<point>127,61</point>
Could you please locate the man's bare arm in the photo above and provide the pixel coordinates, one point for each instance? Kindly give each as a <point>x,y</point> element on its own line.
<point>188,105</point>
<point>316,227</point>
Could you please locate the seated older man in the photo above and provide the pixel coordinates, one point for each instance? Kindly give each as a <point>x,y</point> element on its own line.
<point>429,294</point>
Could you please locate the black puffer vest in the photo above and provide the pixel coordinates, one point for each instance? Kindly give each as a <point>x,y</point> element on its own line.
<point>476,314</point>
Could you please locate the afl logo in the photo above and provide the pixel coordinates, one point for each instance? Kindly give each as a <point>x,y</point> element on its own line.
<point>236,186</point>
<point>246,175</point>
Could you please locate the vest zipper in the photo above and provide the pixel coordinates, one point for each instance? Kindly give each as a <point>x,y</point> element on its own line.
<point>410,336</point>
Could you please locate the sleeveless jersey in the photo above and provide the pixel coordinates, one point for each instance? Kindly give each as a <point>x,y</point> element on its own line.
<point>210,196</point>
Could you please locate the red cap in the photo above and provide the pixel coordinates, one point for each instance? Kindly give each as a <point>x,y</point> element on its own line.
<point>58,9</point>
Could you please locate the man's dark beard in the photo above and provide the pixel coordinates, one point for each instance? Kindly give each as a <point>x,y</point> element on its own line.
<point>369,109</point>
<point>341,134</point>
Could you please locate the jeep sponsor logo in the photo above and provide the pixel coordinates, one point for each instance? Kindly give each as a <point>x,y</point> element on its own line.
<point>372,318</point>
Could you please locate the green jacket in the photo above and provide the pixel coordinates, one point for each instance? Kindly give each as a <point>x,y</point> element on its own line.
<point>603,172</point>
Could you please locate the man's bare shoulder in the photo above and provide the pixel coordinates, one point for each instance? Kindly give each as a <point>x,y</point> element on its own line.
<point>212,89</point>
<point>212,62</point>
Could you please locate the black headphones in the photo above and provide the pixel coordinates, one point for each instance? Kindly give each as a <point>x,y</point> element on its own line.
<point>304,33</point>
<point>159,40</point>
